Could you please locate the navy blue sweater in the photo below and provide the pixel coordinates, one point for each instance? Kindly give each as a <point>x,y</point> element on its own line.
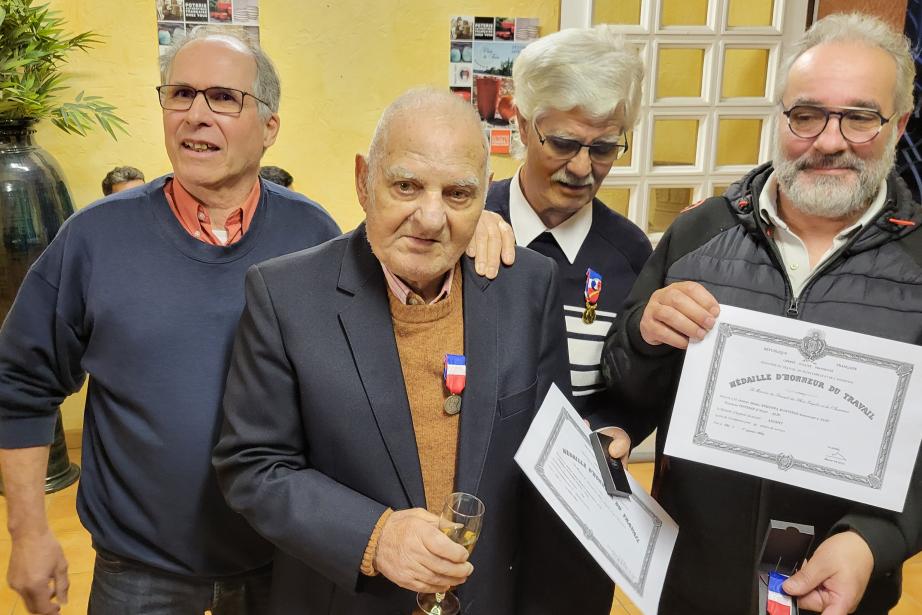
<point>125,295</point>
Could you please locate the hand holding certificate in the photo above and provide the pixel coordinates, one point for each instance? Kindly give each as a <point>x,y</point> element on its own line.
<point>631,537</point>
<point>812,406</point>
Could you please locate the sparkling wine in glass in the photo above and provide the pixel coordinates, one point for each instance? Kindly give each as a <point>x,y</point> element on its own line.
<point>461,520</point>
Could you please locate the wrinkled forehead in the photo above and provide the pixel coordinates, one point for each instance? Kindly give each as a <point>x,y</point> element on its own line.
<point>441,144</point>
<point>220,60</point>
<point>843,73</point>
<point>579,125</point>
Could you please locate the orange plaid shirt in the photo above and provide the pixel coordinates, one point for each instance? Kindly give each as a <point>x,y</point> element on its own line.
<point>193,216</point>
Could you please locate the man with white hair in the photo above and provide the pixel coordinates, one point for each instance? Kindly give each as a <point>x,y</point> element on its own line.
<point>577,93</point>
<point>825,233</point>
<point>143,291</point>
<point>345,431</point>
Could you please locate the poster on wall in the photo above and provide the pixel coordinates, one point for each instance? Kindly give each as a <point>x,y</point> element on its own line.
<point>481,53</point>
<point>175,17</point>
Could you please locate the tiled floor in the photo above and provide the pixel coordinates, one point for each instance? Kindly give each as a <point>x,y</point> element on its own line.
<point>76,543</point>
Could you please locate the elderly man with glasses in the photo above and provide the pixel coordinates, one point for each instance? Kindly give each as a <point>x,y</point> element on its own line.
<point>143,291</point>
<point>825,233</point>
<point>577,93</point>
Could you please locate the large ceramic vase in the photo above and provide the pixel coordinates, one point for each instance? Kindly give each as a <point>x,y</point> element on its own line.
<point>34,202</point>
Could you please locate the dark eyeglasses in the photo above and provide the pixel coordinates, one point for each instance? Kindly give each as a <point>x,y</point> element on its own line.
<point>602,152</point>
<point>856,125</point>
<point>220,100</point>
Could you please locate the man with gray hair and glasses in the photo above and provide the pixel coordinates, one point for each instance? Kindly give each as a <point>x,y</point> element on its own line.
<point>142,291</point>
<point>825,233</point>
<point>577,94</point>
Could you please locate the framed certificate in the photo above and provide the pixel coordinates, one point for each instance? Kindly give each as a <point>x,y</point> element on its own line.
<point>812,406</point>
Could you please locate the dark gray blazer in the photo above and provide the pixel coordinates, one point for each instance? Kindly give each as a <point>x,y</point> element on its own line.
<point>318,439</point>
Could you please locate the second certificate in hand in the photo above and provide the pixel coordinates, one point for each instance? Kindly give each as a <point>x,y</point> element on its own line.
<point>631,537</point>
<point>812,406</point>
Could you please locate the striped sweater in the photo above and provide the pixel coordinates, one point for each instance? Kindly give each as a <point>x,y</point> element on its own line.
<point>615,248</point>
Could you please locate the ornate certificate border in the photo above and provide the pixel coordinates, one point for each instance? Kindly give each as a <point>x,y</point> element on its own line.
<point>638,584</point>
<point>812,347</point>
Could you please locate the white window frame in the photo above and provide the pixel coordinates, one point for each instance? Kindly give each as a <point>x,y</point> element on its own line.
<point>789,21</point>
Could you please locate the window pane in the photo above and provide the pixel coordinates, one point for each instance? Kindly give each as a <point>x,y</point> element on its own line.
<point>679,72</point>
<point>617,199</point>
<point>719,190</point>
<point>744,72</point>
<point>684,13</point>
<point>665,205</point>
<point>744,13</point>
<point>675,142</point>
<point>738,141</point>
<point>616,11</point>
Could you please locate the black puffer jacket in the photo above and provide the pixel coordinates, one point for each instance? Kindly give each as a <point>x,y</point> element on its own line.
<point>873,285</point>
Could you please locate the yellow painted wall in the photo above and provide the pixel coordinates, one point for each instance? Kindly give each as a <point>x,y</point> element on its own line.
<point>340,62</point>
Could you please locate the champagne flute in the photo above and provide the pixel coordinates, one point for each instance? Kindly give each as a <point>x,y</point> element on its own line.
<point>461,520</point>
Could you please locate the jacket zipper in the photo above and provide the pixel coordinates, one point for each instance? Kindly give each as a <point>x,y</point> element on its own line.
<point>775,256</point>
<point>793,309</point>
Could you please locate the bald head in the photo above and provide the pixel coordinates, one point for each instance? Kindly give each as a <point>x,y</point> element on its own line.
<point>425,105</point>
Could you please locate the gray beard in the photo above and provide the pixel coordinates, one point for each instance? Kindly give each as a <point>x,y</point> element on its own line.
<point>833,197</point>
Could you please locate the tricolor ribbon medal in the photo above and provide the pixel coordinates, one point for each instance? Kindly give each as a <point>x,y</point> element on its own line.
<point>592,292</point>
<point>778,602</point>
<point>455,377</point>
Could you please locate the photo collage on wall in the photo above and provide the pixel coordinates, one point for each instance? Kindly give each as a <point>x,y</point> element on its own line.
<point>178,16</point>
<point>480,69</point>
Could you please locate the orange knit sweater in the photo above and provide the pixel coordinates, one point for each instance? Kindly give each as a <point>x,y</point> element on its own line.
<point>425,334</point>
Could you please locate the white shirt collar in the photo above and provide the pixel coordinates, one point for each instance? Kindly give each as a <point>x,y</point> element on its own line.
<point>569,234</point>
<point>768,206</point>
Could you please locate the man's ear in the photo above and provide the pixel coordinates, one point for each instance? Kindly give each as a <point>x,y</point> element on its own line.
<point>271,130</point>
<point>522,123</point>
<point>901,125</point>
<point>361,180</point>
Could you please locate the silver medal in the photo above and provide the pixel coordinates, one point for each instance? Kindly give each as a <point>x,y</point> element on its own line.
<point>453,405</point>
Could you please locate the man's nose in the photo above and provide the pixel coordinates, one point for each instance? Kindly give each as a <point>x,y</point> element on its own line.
<point>431,212</point>
<point>581,164</point>
<point>199,112</point>
<point>831,140</point>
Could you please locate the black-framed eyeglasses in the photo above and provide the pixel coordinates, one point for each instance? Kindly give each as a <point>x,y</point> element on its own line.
<point>857,125</point>
<point>220,100</point>
<point>602,152</point>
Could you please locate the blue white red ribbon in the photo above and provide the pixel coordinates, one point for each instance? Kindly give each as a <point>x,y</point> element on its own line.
<point>455,373</point>
<point>593,287</point>
<point>778,602</point>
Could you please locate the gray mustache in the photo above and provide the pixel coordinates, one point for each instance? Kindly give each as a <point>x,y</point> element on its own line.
<point>563,175</point>
<point>834,161</point>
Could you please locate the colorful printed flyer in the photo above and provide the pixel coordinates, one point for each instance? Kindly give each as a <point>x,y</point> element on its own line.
<point>481,53</point>
<point>176,17</point>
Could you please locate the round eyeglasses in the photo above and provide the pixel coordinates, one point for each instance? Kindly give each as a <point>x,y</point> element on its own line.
<point>601,152</point>
<point>856,125</point>
<point>220,100</point>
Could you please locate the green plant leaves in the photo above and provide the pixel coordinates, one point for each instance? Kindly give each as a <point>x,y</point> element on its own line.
<point>33,49</point>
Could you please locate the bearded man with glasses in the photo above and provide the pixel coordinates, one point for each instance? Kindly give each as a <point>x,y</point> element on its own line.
<point>826,233</point>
